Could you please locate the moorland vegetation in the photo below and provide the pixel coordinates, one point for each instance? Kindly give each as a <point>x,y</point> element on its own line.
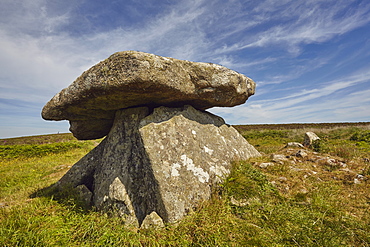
<point>285,204</point>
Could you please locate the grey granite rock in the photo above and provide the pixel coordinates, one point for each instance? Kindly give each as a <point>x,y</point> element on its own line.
<point>131,78</point>
<point>165,161</point>
<point>310,138</point>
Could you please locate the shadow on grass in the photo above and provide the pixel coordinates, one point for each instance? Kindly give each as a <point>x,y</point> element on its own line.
<point>69,197</point>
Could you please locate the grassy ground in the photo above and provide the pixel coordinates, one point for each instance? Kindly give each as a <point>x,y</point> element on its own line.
<point>305,204</point>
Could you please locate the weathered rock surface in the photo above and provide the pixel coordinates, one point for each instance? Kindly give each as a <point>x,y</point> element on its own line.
<point>90,129</point>
<point>294,145</point>
<point>310,138</point>
<point>153,220</point>
<point>279,158</point>
<point>84,194</point>
<point>130,78</point>
<point>165,161</point>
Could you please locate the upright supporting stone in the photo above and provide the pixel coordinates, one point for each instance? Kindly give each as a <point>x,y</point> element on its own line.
<point>164,162</point>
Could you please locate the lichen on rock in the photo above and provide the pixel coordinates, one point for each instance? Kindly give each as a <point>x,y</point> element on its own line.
<point>163,153</point>
<point>131,78</point>
<point>154,162</point>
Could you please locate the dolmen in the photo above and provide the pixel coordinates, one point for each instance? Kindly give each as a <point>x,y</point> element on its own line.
<point>162,153</point>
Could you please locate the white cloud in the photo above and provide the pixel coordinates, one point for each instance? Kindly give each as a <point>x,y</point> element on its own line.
<point>34,17</point>
<point>54,60</point>
<point>305,22</point>
<point>324,103</point>
<point>39,55</point>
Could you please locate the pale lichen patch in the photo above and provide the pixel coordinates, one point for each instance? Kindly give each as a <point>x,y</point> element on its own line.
<point>223,138</point>
<point>202,175</point>
<point>174,170</point>
<point>208,150</point>
<point>219,171</point>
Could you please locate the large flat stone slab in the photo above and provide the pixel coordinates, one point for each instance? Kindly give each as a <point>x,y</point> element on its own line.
<point>131,78</point>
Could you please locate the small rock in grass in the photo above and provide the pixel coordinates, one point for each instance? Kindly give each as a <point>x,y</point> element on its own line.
<point>309,139</point>
<point>283,179</point>
<point>294,145</point>
<point>301,154</point>
<point>279,158</point>
<point>239,203</point>
<point>360,177</point>
<point>153,220</point>
<point>356,181</point>
<point>266,164</point>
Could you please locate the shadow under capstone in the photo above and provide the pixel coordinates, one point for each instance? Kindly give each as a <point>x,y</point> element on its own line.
<point>118,171</point>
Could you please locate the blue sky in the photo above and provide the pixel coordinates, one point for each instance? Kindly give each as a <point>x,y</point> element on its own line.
<point>309,58</point>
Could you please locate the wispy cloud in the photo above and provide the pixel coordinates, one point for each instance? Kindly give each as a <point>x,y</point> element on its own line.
<point>33,18</point>
<point>45,45</point>
<point>327,102</point>
<point>302,22</point>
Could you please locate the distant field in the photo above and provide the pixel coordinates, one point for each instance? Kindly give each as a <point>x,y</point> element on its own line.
<point>301,125</point>
<point>39,139</point>
<point>44,139</point>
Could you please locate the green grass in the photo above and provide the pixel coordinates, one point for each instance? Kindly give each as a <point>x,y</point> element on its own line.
<point>253,207</point>
<point>268,141</point>
<point>34,150</point>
